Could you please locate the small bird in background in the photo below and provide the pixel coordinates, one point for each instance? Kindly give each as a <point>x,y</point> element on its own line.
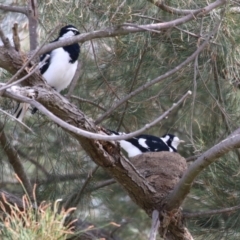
<point>60,67</point>
<point>148,143</point>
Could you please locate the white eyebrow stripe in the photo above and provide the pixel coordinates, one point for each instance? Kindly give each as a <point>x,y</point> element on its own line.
<point>74,29</point>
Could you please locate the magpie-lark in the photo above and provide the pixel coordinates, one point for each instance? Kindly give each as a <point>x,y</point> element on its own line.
<point>60,66</point>
<point>148,143</point>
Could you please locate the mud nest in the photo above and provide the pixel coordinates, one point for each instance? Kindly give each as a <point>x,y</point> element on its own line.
<point>162,169</point>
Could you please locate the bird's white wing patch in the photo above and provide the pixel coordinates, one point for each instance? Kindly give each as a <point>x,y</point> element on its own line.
<point>142,142</point>
<point>131,150</point>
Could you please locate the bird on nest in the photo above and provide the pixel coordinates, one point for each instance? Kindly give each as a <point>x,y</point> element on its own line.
<point>148,143</point>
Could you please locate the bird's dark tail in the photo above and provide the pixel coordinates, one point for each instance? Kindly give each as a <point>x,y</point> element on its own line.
<point>34,110</point>
<point>20,111</point>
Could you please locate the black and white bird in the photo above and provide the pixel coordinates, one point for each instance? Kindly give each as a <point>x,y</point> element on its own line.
<point>59,68</point>
<point>148,143</point>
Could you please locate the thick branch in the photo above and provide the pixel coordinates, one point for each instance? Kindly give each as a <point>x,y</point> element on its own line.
<point>33,23</point>
<point>16,38</point>
<point>13,9</point>
<point>181,190</point>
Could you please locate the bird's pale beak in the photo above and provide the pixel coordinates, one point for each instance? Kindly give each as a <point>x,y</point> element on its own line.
<point>181,141</point>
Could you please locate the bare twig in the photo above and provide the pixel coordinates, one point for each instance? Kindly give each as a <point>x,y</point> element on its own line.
<point>210,212</point>
<point>5,40</point>
<point>88,101</point>
<point>102,184</point>
<point>13,9</point>
<point>73,200</point>
<point>33,161</point>
<point>14,160</point>
<point>15,119</point>
<point>16,39</point>
<point>219,93</point>
<point>56,178</point>
<point>104,78</point>
<point>193,99</point>
<point>33,23</point>
<point>159,20</point>
<point>115,116</point>
<point>177,11</point>
<point>35,68</point>
<point>117,10</point>
<point>155,225</point>
<point>132,84</point>
<point>140,27</point>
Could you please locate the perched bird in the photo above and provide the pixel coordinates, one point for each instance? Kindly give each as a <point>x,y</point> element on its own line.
<point>60,66</point>
<point>148,143</point>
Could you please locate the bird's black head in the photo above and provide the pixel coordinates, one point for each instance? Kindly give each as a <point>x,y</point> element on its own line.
<point>68,31</point>
<point>172,141</point>
<point>168,138</point>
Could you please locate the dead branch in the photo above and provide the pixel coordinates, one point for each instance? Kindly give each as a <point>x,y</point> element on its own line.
<point>16,39</point>
<point>14,8</point>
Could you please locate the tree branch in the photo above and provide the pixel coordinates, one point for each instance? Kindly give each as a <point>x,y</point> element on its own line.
<point>175,199</point>
<point>35,68</point>
<point>4,39</point>
<point>16,95</point>
<point>18,9</point>
<point>33,23</point>
<point>16,39</point>
<point>88,101</point>
<point>102,184</point>
<point>155,225</point>
<point>73,200</point>
<point>172,10</point>
<point>210,212</point>
<point>124,30</point>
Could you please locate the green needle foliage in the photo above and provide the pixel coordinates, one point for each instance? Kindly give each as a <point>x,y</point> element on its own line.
<point>112,68</point>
